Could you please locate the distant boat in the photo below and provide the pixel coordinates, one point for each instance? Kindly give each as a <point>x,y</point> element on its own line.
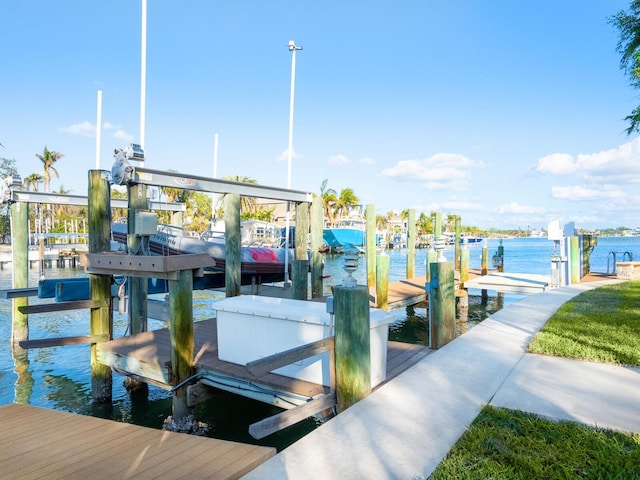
<point>464,239</point>
<point>257,264</point>
<point>346,231</point>
<point>470,239</point>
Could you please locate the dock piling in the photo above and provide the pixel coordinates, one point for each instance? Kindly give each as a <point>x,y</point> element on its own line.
<point>317,261</point>
<point>382,281</point>
<point>20,269</point>
<point>232,283</point>
<point>442,311</point>
<point>411,243</point>
<point>370,218</point>
<point>182,341</point>
<point>300,267</point>
<point>352,345</point>
<point>101,319</point>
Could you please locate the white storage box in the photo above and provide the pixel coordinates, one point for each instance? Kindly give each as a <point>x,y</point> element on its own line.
<point>252,327</point>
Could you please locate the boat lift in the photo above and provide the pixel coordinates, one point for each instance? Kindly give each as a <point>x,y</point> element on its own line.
<point>123,173</point>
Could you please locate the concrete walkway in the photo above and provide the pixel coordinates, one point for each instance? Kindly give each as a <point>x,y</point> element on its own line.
<point>405,428</point>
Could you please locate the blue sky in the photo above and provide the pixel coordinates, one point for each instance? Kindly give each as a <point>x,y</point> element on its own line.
<point>508,113</point>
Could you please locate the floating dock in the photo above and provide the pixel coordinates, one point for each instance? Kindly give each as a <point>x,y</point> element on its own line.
<point>518,283</point>
<point>43,443</point>
<point>146,355</point>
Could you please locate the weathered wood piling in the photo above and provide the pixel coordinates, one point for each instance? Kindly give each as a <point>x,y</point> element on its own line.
<point>352,345</point>
<point>101,318</point>
<point>20,269</point>
<point>442,314</point>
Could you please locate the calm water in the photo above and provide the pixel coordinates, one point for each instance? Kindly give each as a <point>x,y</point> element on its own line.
<point>59,378</point>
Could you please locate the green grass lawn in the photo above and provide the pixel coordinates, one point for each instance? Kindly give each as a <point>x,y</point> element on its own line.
<point>601,325</point>
<point>504,444</point>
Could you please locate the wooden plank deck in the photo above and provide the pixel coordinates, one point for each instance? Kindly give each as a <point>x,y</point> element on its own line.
<point>147,354</point>
<point>404,293</point>
<point>38,443</point>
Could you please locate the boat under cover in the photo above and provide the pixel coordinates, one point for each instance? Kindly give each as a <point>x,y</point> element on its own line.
<point>257,264</point>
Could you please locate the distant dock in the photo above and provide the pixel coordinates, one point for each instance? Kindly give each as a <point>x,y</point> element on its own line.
<point>62,255</point>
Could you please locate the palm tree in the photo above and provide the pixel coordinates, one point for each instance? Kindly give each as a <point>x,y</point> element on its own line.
<point>329,201</point>
<point>48,158</point>
<point>31,182</point>
<point>346,201</point>
<point>248,205</point>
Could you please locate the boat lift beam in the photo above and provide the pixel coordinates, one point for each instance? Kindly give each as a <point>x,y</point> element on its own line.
<point>83,201</point>
<point>126,174</point>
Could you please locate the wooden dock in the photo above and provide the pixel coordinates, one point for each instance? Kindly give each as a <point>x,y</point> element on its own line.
<point>40,443</point>
<point>146,355</point>
<point>412,292</point>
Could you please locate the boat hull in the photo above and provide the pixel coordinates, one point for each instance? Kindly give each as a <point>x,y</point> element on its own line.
<point>257,264</point>
<point>341,237</point>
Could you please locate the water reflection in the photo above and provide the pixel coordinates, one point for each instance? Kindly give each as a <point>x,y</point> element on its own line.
<point>24,380</point>
<point>414,326</point>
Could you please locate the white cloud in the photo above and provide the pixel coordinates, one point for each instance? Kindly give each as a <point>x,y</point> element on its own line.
<point>86,129</point>
<point>338,159</point>
<point>440,171</point>
<point>460,205</point>
<point>557,164</point>
<point>620,161</point>
<point>516,208</point>
<point>284,156</point>
<point>122,135</point>
<point>581,193</point>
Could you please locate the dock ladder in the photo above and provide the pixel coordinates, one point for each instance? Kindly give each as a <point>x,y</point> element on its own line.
<point>626,257</point>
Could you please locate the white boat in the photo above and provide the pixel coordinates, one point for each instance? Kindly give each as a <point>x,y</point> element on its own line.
<point>259,264</point>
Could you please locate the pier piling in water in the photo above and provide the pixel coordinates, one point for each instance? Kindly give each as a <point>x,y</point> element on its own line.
<point>182,341</point>
<point>464,265</point>
<point>137,311</point>
<point>20,269</point>
<point>232,235</point>
<point>370,218</point>
<point>101,318</point>
<point>411,243</point>
<point>442,311</point>
<point>317,260</point>
<point>352,345</point>
<point>458,243</point>
<point>300,267</point>
<point>382,281</point>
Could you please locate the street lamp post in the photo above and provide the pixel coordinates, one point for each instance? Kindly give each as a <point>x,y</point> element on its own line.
<point>292,48</point>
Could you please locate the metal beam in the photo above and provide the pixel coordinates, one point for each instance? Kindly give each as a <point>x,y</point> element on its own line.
<point>160,178</point>
<point>82,201</point>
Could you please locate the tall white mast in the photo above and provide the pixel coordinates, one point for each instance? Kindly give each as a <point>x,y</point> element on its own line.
<point>99,130</point>
<point>143,76</point>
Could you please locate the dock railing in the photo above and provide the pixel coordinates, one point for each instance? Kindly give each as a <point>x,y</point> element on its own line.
<point>626,257</point>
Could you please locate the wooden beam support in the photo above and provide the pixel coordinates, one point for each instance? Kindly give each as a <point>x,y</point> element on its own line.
<point>19,292</point>
<point>62,306</point>
<point>61,341</point>
<point>281,359</point>
<point>287,418</point>
<point>144,266</point>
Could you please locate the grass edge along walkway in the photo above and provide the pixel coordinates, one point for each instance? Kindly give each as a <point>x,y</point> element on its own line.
<point>509,444</point>
<point>600,325</point>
